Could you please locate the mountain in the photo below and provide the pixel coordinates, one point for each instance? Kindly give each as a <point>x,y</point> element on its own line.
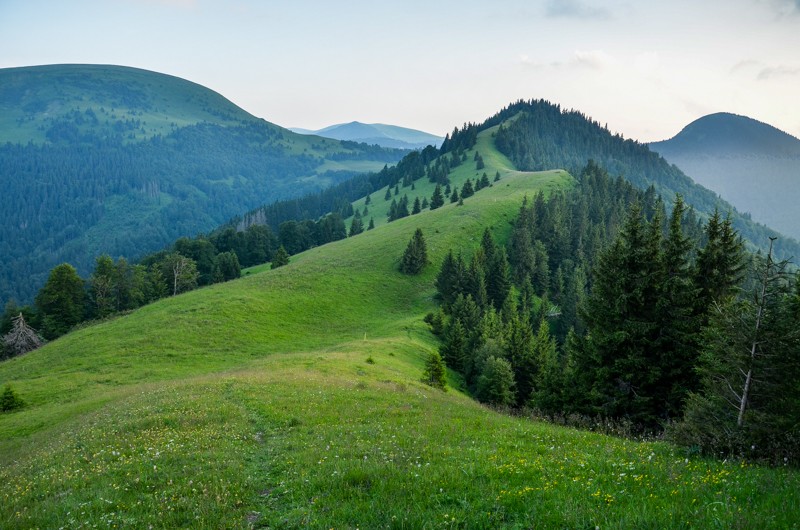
<point>538,134</point>
<point>108,159</point>
<point>292,398</point>
<point>749,163</point>
<point>377,134</point>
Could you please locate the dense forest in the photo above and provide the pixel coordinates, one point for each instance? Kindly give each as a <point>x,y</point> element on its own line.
<point>71,199</point>
<point>538,135</point>
<point>604,306</point>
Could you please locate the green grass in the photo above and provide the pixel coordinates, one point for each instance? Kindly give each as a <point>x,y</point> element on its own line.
<point>252,404</point>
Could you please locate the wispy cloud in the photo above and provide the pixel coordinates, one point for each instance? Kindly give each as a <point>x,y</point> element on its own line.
<point>576,9</point>
<point>780,70</point>
<point>592,59</point>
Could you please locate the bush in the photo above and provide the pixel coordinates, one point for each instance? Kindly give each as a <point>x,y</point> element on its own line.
<point>9,400</point>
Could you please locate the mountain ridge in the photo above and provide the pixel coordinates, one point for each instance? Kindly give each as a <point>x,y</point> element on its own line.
<point>752,164</point>
<point>376,133</point>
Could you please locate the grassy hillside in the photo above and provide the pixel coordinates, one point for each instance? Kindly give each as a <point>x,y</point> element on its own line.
<point>106,159</point>
<point>292,398</point>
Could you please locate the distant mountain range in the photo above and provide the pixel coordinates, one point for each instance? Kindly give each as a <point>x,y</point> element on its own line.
<point>376,134</point>
<point>751,164</point>
<point>107,159</point>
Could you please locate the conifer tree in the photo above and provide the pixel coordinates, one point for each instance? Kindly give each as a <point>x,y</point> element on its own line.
<point>280,258</point>
<point>371,224</point>
<point>437,200</point>
<point>467,190</point>
<point>454,196</point>
<point>356,225</point>
<point>417,207</point>
<point>454,345</point>
<point>61,301</point>
<point>415,256</point>
<point>435,373</point>
<point>424,203</point>
<point>388,194</point>
<point>549,380</point>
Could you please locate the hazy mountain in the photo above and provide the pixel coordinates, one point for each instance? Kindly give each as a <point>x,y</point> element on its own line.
<point>749,163</point>
<point>377,133</point>
<point>107,159</point>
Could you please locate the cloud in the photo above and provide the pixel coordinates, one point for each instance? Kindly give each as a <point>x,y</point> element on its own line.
<point>746,65</point>
<point>784,8</point>
<point>591,59</point>
<point>576,9</point>
<point>780,70</point>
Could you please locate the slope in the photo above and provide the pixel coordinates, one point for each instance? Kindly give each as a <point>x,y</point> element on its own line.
<point>107,159</point>
<point>751,164</point>
<point>544,136</point>
<point>291,398</point>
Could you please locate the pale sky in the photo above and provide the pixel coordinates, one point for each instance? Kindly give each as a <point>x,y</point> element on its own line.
<point>644,68</point>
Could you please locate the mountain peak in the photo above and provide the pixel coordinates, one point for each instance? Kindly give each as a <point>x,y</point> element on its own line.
<point>376,133</point>
<point>724,132</point>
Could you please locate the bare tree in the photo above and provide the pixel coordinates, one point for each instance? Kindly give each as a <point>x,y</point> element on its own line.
<point>22,338</point>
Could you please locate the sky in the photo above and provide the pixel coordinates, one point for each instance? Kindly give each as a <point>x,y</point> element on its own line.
<point>644,68</point>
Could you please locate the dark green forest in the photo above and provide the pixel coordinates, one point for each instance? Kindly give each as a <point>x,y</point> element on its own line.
<point>538,135</point>
<point>77,197</point>
<point>603,307</point>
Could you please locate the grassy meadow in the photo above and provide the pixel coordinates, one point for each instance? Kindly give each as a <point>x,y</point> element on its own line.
<point>291,398</point>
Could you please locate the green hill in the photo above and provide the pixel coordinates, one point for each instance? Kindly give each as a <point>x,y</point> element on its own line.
<point>292,398</point>
<point>107,159</point>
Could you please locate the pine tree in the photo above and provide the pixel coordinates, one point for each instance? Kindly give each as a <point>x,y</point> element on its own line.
<point>467,190</point>
<point>749,400</point>
<point>437,200</point>
<point>388,194</point>
<point>356,225</point>
<point>417,207</point>
<point>454,345</point>
<point>371,224</point>
<point>435,373</point>
<point>549,379</point>
<point>61,301</point>
<point>454,197</point>
<point>424,203</point>
<point>415,256</point>
<point>497,176</point>
<point>280,258</point>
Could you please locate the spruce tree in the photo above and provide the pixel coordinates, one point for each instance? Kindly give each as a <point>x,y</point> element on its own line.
<point>435,372</point>
<point>280,258</point>
<point>21,338</point>
<point>467,190</point>
<point>61,302</point>
<point>417,207</point>
<point>356,225</point>
<point>415,256</point>
<point>454,196</point>
<point>437,199</point>
<point>371,224</point>
<point>388,194</point>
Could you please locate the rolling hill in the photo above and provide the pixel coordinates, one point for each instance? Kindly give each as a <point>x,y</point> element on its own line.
<point>107,159</point>
<point>291,397</point>
<point>377,134</point>
<point>753,165</point>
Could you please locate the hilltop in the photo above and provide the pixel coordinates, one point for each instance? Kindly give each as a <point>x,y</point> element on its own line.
<point>749,163</point>
<point>108,159</point>
<point>378,134</point>
<point>291,397</point>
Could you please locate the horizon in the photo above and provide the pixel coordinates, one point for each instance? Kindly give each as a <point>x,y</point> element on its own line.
<point>651,69</point>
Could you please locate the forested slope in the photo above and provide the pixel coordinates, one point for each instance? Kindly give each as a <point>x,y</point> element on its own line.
<point>107,159</point>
